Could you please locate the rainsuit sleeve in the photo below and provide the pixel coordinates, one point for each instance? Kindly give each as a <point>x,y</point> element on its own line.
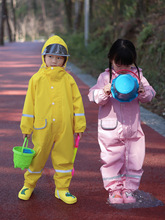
<point>149,93</point>
<point>27,119</point>
<point>79,121</point>
<point>97,94</point>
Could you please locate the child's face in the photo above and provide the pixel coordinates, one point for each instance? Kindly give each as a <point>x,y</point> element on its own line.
<point>54,60</point>
<point>118,67</point>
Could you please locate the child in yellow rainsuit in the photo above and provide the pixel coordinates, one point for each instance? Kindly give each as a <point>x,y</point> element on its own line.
<point>53,111</point>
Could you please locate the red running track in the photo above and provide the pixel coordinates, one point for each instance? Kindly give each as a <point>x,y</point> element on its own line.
<point>18,62</point>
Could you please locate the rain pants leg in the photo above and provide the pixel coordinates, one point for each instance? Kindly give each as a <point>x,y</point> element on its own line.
<point>122,160</point>
<point>61,155</point>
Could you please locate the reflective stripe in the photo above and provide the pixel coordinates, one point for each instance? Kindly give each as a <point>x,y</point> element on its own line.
<point>63,171</point>
<point>58,194</point>
<point>34,172</point>
<point>79,114</point>
<point>133,176</point>
<point>152,93</point>
<point>123,175</point>
<point>29,116</point>
<point>114,177</point>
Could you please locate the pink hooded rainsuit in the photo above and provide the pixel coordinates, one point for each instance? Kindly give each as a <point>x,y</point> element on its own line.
<point>120,135</point>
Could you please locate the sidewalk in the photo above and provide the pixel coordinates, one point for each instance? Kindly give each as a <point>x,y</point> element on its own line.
<point>18,62</point>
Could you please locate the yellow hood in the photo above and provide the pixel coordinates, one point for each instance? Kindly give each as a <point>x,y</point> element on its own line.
<point>54,40</point>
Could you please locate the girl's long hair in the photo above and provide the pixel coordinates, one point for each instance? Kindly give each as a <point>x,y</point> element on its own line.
<point>122,52</point>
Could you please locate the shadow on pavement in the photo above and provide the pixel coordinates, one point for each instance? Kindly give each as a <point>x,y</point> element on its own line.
<point>143,200</point>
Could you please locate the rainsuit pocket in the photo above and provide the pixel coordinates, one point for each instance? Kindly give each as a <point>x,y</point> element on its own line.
<point>40,124</point>
<point>109,124</point>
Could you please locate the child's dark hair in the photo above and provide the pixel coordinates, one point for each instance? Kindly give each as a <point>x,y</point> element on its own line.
<point>122,52</point>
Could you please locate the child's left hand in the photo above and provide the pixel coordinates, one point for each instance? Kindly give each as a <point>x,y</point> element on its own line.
<point>107,89</point>
<point>141,88</point>
<point>80,135</point>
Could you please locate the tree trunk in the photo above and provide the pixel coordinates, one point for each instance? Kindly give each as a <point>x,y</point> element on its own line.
<point>79,4</point>
<point>68,11</point>
<point>8,25</point>
<point>116,4</point>
<point>13,4</point>
<point>43,10</point>
<point>91,9</point>
<point>141,8</point>
<point>2,19</point>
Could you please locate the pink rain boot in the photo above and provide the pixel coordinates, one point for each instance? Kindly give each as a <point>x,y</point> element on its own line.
<point>115,197</point>
<point>128,196</point>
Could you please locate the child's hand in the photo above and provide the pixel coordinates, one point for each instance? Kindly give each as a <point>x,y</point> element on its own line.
<point>141,88</point>
<point>107,89</point>
<point>26,135</point>
<point>80,135</point>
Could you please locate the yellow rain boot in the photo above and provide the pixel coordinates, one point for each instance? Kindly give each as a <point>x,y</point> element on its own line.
<point>65,196</point>
<point>25,193</point>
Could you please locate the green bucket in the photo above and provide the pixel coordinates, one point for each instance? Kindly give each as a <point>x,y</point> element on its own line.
<point>23,156</point>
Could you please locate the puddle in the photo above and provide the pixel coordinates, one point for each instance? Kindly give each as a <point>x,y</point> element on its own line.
<point>143,200</point>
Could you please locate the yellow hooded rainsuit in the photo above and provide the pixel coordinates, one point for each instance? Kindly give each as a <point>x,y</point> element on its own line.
<point>53,111</point>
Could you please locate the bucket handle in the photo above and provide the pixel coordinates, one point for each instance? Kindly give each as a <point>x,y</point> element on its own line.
<point>25,141</point>
<point>128,71</point>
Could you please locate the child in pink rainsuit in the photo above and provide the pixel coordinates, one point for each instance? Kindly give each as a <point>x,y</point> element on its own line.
<point>120,135</point>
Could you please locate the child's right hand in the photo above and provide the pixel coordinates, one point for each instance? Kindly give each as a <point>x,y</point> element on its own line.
<point>107,89</point>
<point>141,88</point>
<point>26,135</point>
